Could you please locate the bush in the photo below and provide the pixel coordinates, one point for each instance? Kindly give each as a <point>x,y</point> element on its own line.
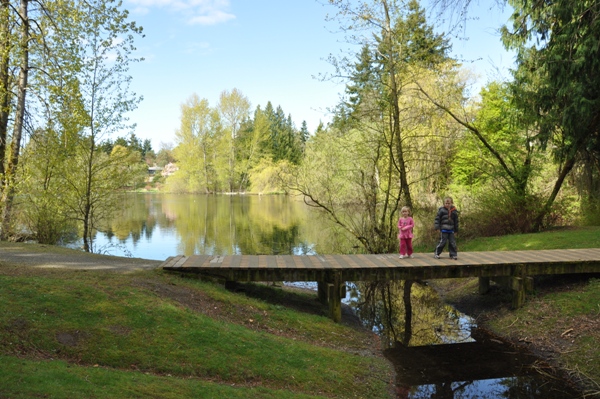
<point>45,220</point>
<point>494,214</point>
<point>590,211</point>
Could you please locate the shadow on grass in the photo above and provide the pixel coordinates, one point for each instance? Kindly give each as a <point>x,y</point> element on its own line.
<point>305,301</point>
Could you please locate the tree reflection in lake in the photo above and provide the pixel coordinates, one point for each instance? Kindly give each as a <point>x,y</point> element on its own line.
<point>440,353</point>
<point>156,226</point>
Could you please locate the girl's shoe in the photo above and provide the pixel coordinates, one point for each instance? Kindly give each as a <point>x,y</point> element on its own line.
<point>402,256</point>
<point>410,256</point>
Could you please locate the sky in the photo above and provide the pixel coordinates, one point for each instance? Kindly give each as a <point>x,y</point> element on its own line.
<point>269,50</point>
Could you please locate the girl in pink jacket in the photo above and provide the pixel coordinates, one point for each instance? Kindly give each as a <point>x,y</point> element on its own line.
<point>405,233</point>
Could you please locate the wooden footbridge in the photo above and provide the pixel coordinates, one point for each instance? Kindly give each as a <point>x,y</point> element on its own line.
<point>514,269</point>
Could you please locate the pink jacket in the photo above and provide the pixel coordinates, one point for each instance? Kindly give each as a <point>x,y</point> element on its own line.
<point>405,227</point>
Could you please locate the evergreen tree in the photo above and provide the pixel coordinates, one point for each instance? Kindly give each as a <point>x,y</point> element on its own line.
<point>147,149</point>
<point>557,82</point>
<point>304,135</point>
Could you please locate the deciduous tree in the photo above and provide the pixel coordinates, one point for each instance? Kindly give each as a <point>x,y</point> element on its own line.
<point>234,108</point>
<point>101,50</point>
<point>198,149</point>
<point>377,122</point>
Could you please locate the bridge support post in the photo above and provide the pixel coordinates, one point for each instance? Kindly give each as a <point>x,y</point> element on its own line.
<point>322,291</point>
<point>518,292</point>
<point>334,296</point>
<point>520,283</point>
<point>484,285</point>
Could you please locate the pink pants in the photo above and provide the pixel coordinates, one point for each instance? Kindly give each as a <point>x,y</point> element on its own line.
<point>406,246</point>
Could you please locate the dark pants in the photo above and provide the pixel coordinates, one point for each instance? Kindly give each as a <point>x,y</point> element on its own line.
<point>449,238</point>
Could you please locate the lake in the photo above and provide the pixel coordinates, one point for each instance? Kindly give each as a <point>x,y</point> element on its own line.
<point>156,226</point>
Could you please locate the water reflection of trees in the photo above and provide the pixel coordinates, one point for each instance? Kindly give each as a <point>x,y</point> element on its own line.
<point>411,318</point>
<point>134,220</point>
<point>406,312</point>
<point>521,387</point>
<point>217,224</point>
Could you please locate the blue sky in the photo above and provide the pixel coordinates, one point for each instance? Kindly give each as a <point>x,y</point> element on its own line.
<point>270,50</point>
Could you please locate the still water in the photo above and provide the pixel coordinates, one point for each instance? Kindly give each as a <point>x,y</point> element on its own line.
<point>156,226</point>
<point>437,352</point>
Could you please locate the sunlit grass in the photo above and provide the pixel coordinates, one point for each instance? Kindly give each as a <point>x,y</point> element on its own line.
<point>24,378</point>
<point>584,237</point>
<point>92,334</point>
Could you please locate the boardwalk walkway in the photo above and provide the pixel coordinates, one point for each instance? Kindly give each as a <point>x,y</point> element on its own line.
<point>512,268</point>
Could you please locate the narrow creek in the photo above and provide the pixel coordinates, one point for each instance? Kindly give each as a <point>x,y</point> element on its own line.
<point>440,353</point>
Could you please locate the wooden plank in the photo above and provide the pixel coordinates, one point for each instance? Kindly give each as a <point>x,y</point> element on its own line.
<point>216,261</point>
<point>342,261</point>
<point>332,262</point>
<point>316,262</point>
<point>236,261</point>
<point>280,261</point>
<point>306,262</point>
<point>271,262</point>
<point>289,261</point>
<point>262,261</point>
<point>249,261</point>
<point>298,264</point>
<point>196,261</point>
<point>390,261</point>
<point>350,261</point>
<point>370,261</point>
<point>417,260</point>
<point>483,258</point>
<point>179,261</point>
<point>590,253</point>
<point>384,261</point>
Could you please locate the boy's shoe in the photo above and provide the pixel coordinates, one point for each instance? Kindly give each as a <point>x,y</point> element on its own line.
<point>436,256</point>
<point>454,257</point>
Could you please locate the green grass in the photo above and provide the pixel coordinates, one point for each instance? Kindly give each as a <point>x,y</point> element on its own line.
<point>584,237</point>
<point>106,335</point>
<point>25,378</point>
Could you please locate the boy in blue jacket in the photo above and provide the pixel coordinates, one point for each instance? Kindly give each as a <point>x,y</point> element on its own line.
<point>446,221</point>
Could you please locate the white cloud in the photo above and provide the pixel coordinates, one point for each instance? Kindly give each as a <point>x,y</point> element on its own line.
<point>197,12</point>
<point>212,18</point>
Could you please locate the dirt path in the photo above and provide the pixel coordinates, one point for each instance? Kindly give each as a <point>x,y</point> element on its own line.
<point>49,256</point>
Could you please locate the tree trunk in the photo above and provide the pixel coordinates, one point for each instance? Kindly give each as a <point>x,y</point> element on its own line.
<point>4,82</point>
<point>15,148</point>
<point>395,119</point>
<point>567,167</point>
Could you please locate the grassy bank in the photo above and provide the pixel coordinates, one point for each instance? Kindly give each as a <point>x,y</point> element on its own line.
<point>561,318</point>
<point>148,334</point>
